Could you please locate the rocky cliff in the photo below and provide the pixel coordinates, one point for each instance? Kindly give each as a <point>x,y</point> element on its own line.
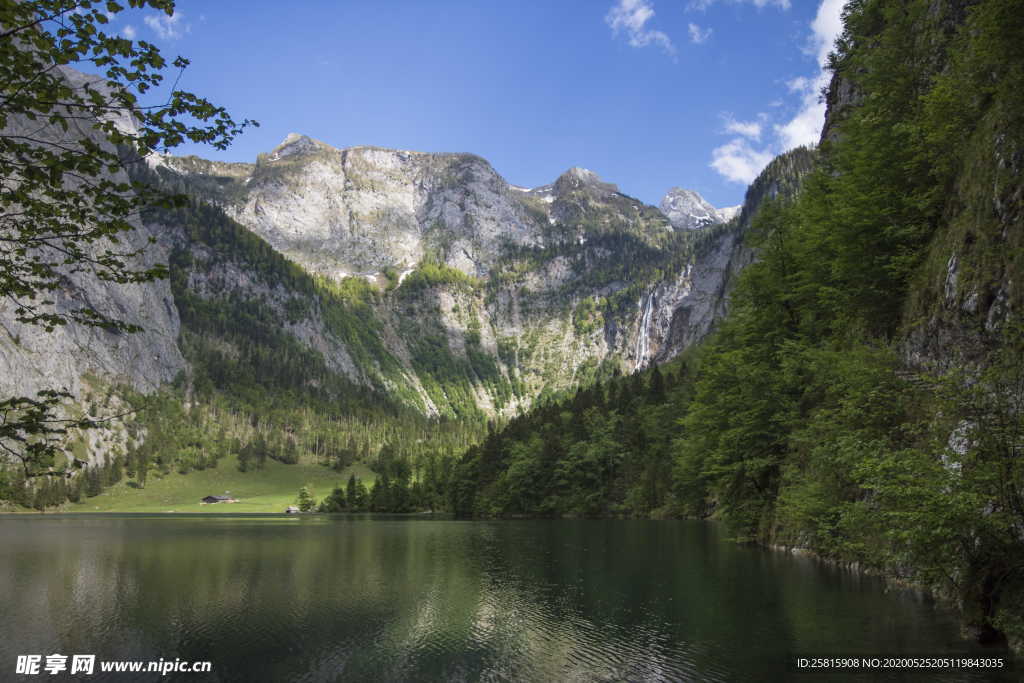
<point>480,296</point>
<point>687,210</point>
<point>699,297</point>
<point>363,210</point>
<point>966,289</point>
<point>80,358</point>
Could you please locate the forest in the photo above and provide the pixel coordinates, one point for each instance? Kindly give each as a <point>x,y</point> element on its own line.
<point>852,402</point>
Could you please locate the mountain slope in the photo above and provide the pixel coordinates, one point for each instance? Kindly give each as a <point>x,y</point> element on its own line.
<point>863,399</point>
<point>483,296</point>
<point>32,359</point>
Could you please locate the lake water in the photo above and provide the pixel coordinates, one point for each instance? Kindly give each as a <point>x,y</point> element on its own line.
<point>326,598</point>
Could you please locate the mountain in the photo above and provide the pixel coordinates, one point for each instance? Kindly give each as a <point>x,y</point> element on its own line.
<point>861,399</point>
<point>361,210</point>
<point>687,210</point>
<point>381,285</point>
<point>481,296</point>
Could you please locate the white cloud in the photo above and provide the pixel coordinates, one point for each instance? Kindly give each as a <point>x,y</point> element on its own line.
<point>798,84</point>
<point>739,162</point>
<point>826,27</point>
<point>631,17</point>
<point>748,129</point>
<point>805,127</point>
<point>168,27</point>
<point>699,35</point>
<point>129,32</point>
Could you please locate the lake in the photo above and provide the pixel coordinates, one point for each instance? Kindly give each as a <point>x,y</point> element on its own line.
<point>365,598</point>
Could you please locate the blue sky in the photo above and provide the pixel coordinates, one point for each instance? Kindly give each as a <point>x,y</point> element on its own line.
<point>648,93</point>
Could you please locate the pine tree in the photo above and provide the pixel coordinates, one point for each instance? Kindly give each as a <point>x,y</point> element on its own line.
<point>656,388</point>
<point>116,470</point>
<point>305,500</point>
<point>351,496</point>
<point>93,481</point>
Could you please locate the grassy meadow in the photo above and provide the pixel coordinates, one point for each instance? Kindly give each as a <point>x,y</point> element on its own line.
<point>271,489</point>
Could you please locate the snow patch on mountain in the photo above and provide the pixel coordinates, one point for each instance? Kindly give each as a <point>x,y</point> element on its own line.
<point>687,210</point>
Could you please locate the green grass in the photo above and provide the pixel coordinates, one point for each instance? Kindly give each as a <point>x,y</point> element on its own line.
<point>271,489</point>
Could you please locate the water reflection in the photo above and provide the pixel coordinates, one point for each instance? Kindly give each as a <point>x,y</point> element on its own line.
<point>325,599</point>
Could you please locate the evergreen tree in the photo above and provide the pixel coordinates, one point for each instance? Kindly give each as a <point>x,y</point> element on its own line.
<point>361,498</point>
<point>116,470</point>
<point>305,500</point>
<point>656,387</point>
<point>336,502</point>
<point>93,481</point>
<point>380,494</point>
<point>75,489</point>
<point>351,495</point>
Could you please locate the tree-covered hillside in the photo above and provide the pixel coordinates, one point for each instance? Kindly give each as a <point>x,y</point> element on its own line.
<point>865,396</point>
<point>250,364</point>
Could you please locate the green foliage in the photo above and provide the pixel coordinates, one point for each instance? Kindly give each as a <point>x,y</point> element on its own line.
<point>603,452</point>
<point>807,428</point>
<point>253,455</point>
<point>431,273</point>
<point>32,434</point>
<point>61,225</point>
<point>305,500</point>
<point>66,206</point>
<point>353,498</point>
<point>587,317</point>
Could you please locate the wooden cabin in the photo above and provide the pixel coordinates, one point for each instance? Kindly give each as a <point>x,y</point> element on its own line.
<point>217,499</point>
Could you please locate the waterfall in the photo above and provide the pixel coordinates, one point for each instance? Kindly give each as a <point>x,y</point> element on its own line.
<point>643,339</point>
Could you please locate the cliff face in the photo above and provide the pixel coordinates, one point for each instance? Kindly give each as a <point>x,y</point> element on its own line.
<point>83,360</point>
<point>967,288</point>
<point>482,295</point>
<point>32,359</point>
<point>359,211</point>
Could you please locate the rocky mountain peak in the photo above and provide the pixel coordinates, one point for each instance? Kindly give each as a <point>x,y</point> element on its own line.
<point>577,178</point>
<point>584,175</point>
<point>730,212</point>
<point>687,210</point>
<point>295,143</point>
